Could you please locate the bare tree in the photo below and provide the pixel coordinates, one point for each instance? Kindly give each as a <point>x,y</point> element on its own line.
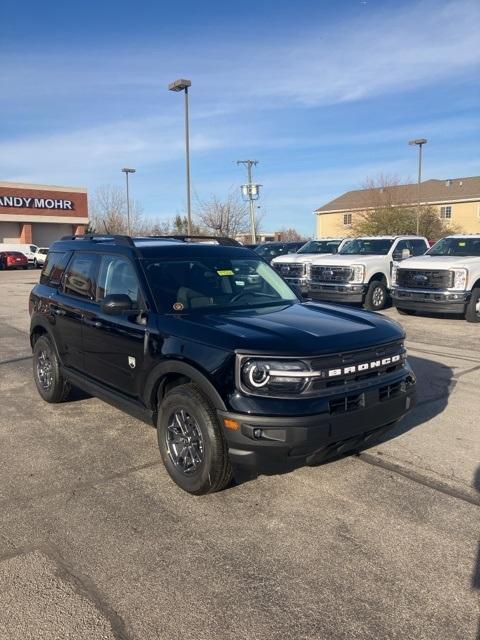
<point>290,235</point>
<point>229,217</point>
<point>108,212</point>
<point>389,209</point>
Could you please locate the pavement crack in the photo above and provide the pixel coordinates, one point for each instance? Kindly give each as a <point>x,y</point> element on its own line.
<point>12,360</point>
<point>419,478</point>
<point>84,586</point>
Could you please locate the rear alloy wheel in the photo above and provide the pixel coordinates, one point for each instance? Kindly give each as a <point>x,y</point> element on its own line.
<point>472,313</point>
<point>377,296</point>
<point>49,379</point>
<point>191,443</point>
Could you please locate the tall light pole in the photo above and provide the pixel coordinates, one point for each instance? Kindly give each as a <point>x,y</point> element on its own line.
<point>419,142</point>
<point>126,171</point>
<point>182,85</point>
<point>251,192</point>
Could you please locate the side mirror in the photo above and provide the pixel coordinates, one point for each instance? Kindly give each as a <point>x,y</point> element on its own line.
<point>116,303</point>
<point>405,254</point>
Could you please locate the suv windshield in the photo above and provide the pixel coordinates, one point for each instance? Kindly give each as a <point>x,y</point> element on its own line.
<point>205,283</point>
<point>377,247</point>
<point>456,247</point>
<point>320,246</point>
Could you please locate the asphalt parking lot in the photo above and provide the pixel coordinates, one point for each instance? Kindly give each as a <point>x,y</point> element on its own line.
<point>97,542</point>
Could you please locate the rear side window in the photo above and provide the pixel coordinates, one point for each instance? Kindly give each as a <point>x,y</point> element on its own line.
<point>53,268</point>
<point>80,275</point>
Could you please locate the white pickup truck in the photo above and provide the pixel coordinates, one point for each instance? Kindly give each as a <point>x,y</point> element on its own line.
<point>361,271</point>
<point>445,280</point>
<point>295,267</point>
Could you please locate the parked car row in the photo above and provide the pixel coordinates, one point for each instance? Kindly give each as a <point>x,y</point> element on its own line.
<point>373,271</point>
<point>22,256</point>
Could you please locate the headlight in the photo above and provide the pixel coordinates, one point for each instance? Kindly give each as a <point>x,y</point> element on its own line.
<point>394,275</point>
<point>358,273</point>
<point>459,278</point>
<point>274,377</point>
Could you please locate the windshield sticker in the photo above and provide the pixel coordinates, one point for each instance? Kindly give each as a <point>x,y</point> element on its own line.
<point>225,272</point>
<point>178,306</point>
<point>462,244</point>
<point>240,283</point>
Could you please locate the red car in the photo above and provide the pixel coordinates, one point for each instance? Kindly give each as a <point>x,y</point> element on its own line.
<point>13,260</point>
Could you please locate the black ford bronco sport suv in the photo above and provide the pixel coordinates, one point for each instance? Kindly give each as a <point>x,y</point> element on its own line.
<point>207,342</point>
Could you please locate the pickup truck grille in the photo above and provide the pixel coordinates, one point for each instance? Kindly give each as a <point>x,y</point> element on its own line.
<point>290,269</point>
<point>322,273</point>
<point>343,369</point>
<point>424,279</point>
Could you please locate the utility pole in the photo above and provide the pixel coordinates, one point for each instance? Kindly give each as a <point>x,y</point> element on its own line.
<point>126,171</point>
<point>250,193</point>
<point>419,142</point>
<point>183,85</point>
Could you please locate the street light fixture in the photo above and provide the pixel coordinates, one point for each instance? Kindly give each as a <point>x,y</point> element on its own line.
<point>419,142</point>
<point>182,85</point>
<point>126,171</point>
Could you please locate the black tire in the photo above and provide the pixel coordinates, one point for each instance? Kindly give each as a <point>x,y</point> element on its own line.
<point>205,466</point>
<point>49,379</point>
<point>472,312</point>
<point>377,296</point>
<point>24,268</point>
<point>406,312</point>
<point>35,263</point>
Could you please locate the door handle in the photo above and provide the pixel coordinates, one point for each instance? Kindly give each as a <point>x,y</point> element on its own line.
<point>93,323</point>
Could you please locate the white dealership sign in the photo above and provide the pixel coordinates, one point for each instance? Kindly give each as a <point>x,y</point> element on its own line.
<point>22,202</point>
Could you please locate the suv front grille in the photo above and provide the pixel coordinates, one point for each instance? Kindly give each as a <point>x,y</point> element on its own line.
<point>290,269</point>
<point>322,273</point>
<point>424,279</point>
<point>347,368</point>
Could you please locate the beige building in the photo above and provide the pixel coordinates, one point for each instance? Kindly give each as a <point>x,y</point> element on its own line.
<point>457,201</point>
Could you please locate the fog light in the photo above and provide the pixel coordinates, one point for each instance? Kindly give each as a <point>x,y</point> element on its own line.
<point>257,433</point>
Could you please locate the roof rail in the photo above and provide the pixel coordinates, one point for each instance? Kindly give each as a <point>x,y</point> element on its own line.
<point>223,240</point>
<point>103,237</point>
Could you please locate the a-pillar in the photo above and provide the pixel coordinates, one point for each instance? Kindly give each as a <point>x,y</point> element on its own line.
<point>25,233</point>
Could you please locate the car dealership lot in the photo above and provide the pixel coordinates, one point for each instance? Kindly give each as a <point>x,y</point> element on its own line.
<point>97,542</point>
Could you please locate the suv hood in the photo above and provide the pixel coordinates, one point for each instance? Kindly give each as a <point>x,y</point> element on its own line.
<point>347,260</point>
<point>299,257</point>
<point>298,329</point>
<point>439,262</point>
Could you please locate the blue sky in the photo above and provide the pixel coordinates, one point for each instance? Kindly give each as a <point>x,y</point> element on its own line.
<point>322,94</point>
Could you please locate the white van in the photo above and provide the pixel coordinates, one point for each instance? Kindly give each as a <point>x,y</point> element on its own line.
<point>27,249</point>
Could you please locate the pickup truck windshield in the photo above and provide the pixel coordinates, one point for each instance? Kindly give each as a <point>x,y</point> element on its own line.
<point>206,283</point>
<point>456,247</point>
<point>320,246</point>
<point>376,247</point>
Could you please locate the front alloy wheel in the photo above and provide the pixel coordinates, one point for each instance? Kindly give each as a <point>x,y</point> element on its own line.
<point>376,298</point>
<point>184,442</point>
<point>191,442</point>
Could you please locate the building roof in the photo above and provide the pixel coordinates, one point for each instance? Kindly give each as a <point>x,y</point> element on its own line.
<point>438,191</point>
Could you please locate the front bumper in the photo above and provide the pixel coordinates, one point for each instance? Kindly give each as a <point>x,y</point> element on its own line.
<point>352,293</point>
<point>269,443</point>
<point>430,301</point>
<point>301,283</point>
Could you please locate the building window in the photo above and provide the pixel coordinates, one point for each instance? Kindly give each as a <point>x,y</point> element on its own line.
<point>445,213</point>
<point>347,219</point>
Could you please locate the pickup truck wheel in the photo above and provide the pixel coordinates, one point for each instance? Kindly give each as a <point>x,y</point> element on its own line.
<point>472,313</point>
<point>376,298</point>
<point>49,379</point>
<point>406,312</point>
<point>191,443</point>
